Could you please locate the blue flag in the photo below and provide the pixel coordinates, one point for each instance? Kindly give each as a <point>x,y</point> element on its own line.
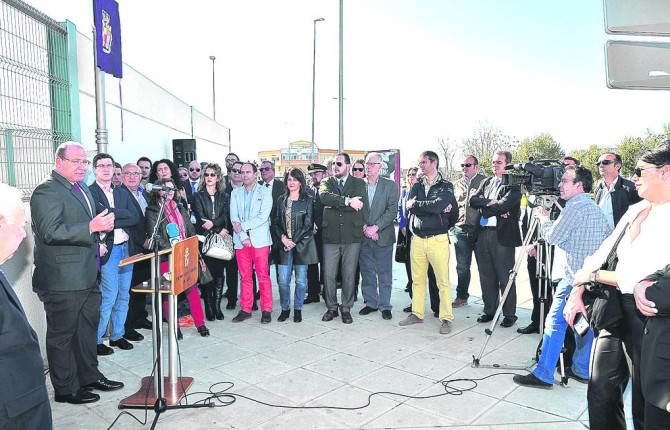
<point>108,36</point>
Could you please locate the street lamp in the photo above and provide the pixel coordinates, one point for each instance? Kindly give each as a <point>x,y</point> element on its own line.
<point>211,57</point>
<point>311,157</point>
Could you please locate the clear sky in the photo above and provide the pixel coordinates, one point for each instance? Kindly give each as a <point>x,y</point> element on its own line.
<point>415,70</point>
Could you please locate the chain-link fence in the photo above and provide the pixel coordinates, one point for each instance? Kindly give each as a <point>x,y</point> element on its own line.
<point>34,93</point>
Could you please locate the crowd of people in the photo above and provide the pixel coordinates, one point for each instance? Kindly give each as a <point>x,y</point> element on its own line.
<point>323,234</point>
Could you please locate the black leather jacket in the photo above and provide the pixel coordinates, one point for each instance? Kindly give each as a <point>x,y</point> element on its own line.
<point>202,208</point>
<point>427,216</point>
<point>302,222</point>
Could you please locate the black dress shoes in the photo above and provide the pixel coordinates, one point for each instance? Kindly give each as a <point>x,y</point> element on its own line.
<point>484,318</point>
<point>103,384</point>
<point>104,350</point>
<point>508,322</point>
<point>241,316</point>
<point>266,317</point>
<point>231,305</point>
<point>145,324</point>
<point>329,315</point>
<point>531,381</point>
<point>121,344</point>
<point>346,317</point>
<point>407,309</point>
<point>80,397</point>
<point>367,310</point>
<point>529,329</point>
<point>309,300</point>
<point>387,314</point>
<point>133,335</point>
<point>204,331</point>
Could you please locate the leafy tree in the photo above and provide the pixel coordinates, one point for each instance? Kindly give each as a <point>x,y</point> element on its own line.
<point>540,147</point>
<point>630,149</point>
<point>589,157</point>
<point>485,140</point>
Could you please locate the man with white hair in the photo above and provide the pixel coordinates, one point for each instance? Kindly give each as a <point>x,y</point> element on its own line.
<point>24,401</point>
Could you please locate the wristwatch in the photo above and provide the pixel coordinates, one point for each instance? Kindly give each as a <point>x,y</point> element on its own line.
<point>593,276</point>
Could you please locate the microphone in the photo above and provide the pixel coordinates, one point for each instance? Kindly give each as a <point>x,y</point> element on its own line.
<point>155,187</point>
<point>173,233</point>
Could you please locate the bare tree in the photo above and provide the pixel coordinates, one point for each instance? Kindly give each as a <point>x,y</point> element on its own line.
<point>448,150</point>
<point>485,140</point>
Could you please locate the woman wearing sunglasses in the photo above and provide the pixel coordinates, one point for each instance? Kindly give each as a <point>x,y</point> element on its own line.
<point>643,248</point>
<point>175,213</point>
<point>292,229</point>
<point>358,170</point>
<point>211,207</point>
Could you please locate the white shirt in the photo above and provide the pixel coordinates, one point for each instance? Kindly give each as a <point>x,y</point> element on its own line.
<point>648,253</point>
<point>605,202</point>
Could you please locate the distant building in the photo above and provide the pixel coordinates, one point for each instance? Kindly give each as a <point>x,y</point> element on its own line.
<point>298,154</point>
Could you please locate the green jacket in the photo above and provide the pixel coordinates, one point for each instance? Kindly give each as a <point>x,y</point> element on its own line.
<point>341,223</point>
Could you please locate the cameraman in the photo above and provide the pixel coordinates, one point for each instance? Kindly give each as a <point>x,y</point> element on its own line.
<point>577,233</point>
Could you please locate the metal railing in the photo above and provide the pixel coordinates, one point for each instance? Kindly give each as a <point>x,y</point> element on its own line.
<point>34,94</point>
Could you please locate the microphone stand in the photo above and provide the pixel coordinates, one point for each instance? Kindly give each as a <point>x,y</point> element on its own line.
<point>160,404</point>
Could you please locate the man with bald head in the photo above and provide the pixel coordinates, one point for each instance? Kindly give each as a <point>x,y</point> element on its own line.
<point>24,401</point>
<point>66,229</point>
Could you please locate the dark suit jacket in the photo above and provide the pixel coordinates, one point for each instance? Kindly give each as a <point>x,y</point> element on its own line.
<point>382,211</point>
<point>21,368</point>
<point>278,188</point>
<point>624,195</point>
<point>127,214</point>
<point>189,192</point>
<point>509,204</point>
<point>655,359</point>
<point>65,253</point>
<point>136,233</point>
<point>341,223</point>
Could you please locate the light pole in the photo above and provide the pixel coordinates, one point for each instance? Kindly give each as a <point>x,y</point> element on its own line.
<point>341,79</point>
<point>211,57</point>
<point>311,156</point>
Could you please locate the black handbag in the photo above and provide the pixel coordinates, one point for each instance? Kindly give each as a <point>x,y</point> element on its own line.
<point>401,251</point>
<point>603,302</point>
<point>204,275</point>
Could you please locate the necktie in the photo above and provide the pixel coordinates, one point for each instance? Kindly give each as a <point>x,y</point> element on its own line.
<point>340,185</point>
<point>193,187</point>
<point>97,247</point>
<point>637,223</point>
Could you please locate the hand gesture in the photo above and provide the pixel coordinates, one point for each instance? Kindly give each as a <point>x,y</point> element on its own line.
<point>646,307</point>
<point>104,221</point>
<point>207,224</point>
<point>356,203</point>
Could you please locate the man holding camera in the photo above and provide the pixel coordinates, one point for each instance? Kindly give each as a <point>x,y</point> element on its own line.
<point>577,233</point>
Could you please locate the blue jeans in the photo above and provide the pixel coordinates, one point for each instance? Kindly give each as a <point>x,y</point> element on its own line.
<point>464,246</point>
<point>115,289</point>
<point>552,342</point>
<point>284,282</point>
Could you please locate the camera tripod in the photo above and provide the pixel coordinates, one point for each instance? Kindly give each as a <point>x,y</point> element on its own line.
<point>543,263</point>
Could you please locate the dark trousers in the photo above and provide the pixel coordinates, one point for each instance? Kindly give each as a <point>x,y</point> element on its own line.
<point>464,246</point>
<point>433,291</point>
<point>72,325</point>
<point>655,418</point>
<point>494,262</point>
<point>315,271</point>
<point>232,280</point>
<point>609,372</point>
<point>137,304</point>
<point>347,254</point>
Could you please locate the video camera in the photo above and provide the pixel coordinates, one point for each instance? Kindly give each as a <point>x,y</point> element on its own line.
<point>542,176</point>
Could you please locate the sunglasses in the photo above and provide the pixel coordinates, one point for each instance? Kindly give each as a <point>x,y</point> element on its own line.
<point>467,165</point>
<point>236,170</point>
<point>411,174</point>
<point>638,170</point>
<point>209,175</point>
<point>605,162</point>
<point>265,169</point>
<point>338,163</point>
<point>357,169</point>
<point>194,169</point>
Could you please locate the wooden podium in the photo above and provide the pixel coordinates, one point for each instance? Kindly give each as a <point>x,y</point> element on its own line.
<point>182,273</point>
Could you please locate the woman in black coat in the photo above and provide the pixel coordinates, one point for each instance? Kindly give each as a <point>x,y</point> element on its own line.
<point>211,207</point>
<point>292,224</point>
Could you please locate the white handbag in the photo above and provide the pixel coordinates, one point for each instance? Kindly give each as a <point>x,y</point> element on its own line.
<point>218,247</point>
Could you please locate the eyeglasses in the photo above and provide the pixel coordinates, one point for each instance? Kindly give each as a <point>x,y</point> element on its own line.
<point>194,169</point>
<point>265,169</point>
<point>209,175</point>
<point>467,165</point>
<point>638,170</point>
<point>77,161</point>
<point>371,163</point>
<point>231,160</point>
<point>411,174</point>
<point>103,166</point>
<point>605,162</point>
<point>132,173</point>
<point>235,170</point>
<point>357,169</point>
<point>338,163</point>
